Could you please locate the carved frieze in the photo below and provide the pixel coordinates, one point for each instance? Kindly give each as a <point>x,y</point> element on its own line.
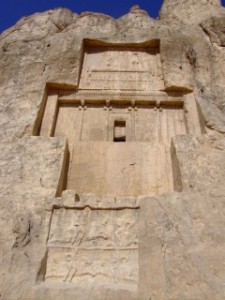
<point>94,245</point>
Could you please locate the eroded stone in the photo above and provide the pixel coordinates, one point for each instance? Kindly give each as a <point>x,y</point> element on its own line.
<point>119,193</point>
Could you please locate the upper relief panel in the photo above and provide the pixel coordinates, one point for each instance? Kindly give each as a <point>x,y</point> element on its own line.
<point>117,68</point>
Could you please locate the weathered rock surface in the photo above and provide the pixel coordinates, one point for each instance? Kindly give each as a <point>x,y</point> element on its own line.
<point>166,245</point>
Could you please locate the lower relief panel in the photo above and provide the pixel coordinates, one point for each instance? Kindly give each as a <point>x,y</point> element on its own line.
<point>96,246</point>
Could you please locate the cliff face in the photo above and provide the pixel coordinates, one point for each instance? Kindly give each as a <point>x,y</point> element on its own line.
<point>190,11</point>
<point>168,244</point>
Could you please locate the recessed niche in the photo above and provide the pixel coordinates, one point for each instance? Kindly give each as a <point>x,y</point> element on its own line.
<point>119,131</point>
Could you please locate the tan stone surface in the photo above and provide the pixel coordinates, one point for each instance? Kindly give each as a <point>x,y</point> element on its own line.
<point>122,69</point>
<point>112,186</point>
<point>189,11</point>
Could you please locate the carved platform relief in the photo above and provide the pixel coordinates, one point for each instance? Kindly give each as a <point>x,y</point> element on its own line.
<point>122,69</point>
<point>93,245</point>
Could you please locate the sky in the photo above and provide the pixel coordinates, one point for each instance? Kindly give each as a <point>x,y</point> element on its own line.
<point>12,10</point>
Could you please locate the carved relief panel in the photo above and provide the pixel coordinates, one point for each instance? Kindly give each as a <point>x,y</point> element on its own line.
<point>116,68</point>
<point>94,245</point>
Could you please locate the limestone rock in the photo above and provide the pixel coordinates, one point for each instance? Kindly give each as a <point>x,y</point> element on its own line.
<point>189,11</point>
<point>112,157</point>
<point>136,19</point>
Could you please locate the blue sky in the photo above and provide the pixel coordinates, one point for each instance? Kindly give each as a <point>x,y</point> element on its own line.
<point>12,10</point>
